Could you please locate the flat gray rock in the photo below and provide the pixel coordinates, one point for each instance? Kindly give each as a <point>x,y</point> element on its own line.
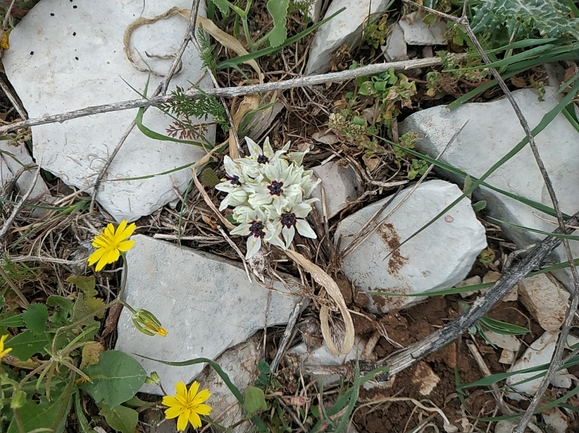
<point>417,32</point>
<point>492,131</point>
<point>206,304</point>
<point>437,258</point>
<point>345,28</point>
<point>68,55</point>
<point>341,187</point>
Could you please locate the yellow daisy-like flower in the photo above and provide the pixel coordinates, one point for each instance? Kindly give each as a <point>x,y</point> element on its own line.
<point>110,243</point>
<point>187,405</point>
<point>3,351</point>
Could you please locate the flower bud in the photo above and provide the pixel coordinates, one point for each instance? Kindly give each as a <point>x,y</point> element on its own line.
<point>153,379</point>
<point>18,400</point>
<point>147,323</point>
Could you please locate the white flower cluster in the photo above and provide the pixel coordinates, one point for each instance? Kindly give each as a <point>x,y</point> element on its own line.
<point>269,191</point>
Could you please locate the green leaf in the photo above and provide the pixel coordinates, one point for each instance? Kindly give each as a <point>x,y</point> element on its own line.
<point>502,327</point>
<point>121,418</point>
<point>209,178</point>
<point>26,344</point>
<point>64,308</point>
<point>49,415</point>
<point>155,135</point>
<point>254,400</point>
<point>35,318</point>
<point>86,284</point>
<point>116,378</point>
<point>278,10</point>
<point>94,304</point>
<point>550,18</point>
<point>80,416</point>
<point>13,322</point>
<point>479,205</point>
<point>223,6</point>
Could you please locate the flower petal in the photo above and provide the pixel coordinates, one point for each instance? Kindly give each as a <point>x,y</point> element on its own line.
<point>305,230</point>
<point>181,389</point>
<point>125,232</point>
<point>126,246</point>
<point>203,409</point>
<point>96,256</point>
<point>253,246</point>
<point>194,419</point>
<point>101,264</point>
<point>173,412</point>
<point>201,397</point>
<point>192,391</point>
<point>254,149</point>
<point>288,235</point>
<point>182,421</point>
<point>169,400</point>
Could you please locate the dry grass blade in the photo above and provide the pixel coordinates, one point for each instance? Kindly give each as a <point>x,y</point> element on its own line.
<point>230,42</point>
<point>322,278</point>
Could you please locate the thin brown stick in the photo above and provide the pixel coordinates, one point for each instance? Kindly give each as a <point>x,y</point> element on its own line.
<point>333,77</point>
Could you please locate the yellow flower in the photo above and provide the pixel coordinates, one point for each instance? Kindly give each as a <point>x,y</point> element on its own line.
<point>3,351</point>
<point>110,243</point>
<point>187,405</point>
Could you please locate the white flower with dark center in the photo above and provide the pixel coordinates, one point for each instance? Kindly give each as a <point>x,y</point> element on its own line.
<point>280,180</point>
<point>287,217</point>
<point>253,225</point>
<point>269,191</point>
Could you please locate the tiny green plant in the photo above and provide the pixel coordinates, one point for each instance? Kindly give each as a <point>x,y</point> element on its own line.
<point>277,9</point>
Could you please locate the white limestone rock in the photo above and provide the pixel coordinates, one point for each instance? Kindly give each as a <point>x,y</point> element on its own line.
<point>205,302</point>
<point>240,364</point>
<point>417,32</point>
<point>68,55</point>
<point>491,132</point>
<point>540,352</point>
<point>345,28</point>
<point>437,258</point>
<point>395,48</point>
<point>546,300</point>
<point>340,185</point>
<point>13,158</point>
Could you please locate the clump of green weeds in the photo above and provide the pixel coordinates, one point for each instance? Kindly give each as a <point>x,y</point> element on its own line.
<point>376,30</point>
<point>278,10</point>
<point>374,106</point>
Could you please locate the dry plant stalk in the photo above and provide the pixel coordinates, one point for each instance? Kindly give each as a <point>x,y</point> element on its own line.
<point>322,278</point>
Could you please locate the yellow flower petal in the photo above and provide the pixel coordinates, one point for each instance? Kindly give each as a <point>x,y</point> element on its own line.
<point>202,396</point>
<point>194,419</point>
<point>187,405</point>
<point>193,391</point>
<point>95,257</point>
<point>182,422</point>
<point>203,409</point>
<point>181,389</point>
<point>125,232</point>
<point>173,412</point>
<point>126,246</point>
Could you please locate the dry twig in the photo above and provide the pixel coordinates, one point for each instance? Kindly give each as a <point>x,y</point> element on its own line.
<point>333,77</point>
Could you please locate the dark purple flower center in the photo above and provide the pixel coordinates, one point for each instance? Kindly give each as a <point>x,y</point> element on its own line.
<point>288,220</point>
<point>262,159</point>
<point>275,188</point>
<point>256,229</point>
<point>233,179</point>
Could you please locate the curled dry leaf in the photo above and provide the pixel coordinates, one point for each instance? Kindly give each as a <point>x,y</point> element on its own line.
<point>333,290</point>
